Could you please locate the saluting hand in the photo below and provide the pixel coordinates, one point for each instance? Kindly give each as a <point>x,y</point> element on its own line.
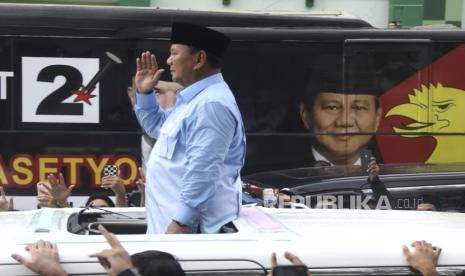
<point>148,74</point>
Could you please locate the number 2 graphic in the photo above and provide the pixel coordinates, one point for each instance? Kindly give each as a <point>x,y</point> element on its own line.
<point>53,104</point>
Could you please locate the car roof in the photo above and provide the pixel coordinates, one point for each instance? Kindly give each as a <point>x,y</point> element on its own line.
<point>321,238</point>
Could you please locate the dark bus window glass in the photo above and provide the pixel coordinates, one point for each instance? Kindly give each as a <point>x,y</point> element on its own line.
<point>268,80</point>
<point>393,61</point>
<point>6,82</point>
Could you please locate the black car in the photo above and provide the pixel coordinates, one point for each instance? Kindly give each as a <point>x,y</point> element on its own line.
<point>408,185</point>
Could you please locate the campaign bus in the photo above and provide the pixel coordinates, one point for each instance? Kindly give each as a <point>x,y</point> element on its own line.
<point>65,70</point>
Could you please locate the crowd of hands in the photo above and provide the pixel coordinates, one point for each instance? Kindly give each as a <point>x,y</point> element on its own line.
<point>54,193</point>
<point>45,259</point>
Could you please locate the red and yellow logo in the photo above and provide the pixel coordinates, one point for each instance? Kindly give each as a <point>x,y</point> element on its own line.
<point>426,114</point>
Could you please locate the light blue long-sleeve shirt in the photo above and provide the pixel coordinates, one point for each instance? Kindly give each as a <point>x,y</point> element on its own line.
<point>193,173</point>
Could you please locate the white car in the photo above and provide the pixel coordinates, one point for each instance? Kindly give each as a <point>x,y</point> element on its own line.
<point>330,242</point>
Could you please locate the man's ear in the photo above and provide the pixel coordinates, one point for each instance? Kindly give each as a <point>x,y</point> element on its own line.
<point>201,59</point>
<point>304,115</point>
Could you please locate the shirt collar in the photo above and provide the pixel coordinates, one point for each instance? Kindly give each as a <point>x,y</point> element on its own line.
<point>188,93</point>
<point>319,157</point>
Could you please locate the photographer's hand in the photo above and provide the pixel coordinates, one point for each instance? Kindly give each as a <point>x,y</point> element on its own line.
<point>115,183</point>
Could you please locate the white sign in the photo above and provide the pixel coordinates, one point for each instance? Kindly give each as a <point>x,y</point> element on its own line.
<point>3,76</point>
<point>50,89</point>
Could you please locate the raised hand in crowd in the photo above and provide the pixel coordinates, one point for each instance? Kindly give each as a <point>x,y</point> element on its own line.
<point>58,190</point>
<point>373,169</point>
<point>116,259</point>
<point>140,183</point>
<point>44,196</point>
<point>6,203</point>
<point>115,183</point>
<point>148,74</point>
<point>424,258</point>
<point>44,259</point>
<point>289,256</point>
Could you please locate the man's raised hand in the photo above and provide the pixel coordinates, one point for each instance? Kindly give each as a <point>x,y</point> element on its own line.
<point>148,74</point>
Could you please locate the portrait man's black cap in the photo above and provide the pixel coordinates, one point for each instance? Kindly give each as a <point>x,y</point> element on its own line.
<point>199,37</point>
<point>327,76</point>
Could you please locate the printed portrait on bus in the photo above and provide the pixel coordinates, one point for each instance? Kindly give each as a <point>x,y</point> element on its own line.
<point>342,119</point>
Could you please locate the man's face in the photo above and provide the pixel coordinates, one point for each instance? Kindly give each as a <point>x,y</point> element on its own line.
<point>182,63</point>
<point>339,116</point>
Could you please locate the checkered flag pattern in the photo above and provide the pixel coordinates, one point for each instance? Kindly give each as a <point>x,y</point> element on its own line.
<point>110,170</point>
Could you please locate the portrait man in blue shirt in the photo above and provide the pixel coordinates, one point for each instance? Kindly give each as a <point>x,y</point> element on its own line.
<point>193,173</point>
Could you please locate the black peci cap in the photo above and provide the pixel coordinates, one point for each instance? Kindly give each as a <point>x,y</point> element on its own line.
<point>327,76</point>
<point>199,37</point>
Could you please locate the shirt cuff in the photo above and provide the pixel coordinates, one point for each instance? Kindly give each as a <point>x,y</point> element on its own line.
<point>145,100</point>
<point>186,215</point>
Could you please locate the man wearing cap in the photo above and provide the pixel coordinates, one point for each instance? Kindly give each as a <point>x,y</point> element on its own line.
<point>342,122</point>
<point>193,173</point>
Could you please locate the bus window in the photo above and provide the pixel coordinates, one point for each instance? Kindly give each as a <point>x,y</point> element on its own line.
<point>6,77</point>
<point>395,64</point>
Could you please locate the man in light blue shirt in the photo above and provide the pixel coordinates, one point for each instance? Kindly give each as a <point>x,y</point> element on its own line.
<point>193,173</point>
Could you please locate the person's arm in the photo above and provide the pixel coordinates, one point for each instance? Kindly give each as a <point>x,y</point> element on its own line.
<point>44,259</point>
<point>149,114</point>
<point>147,110</point>
<point>424,258</point>
<point>377,186</point>
<point>208,137</point>
<point>115,183</point>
